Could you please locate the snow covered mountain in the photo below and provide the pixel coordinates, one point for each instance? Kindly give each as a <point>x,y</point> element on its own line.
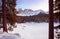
<point>29,15</point>
<point>28,12</point>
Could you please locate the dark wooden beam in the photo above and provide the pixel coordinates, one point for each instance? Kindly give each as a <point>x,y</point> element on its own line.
<point>51,20</point>
<point>4,15</point>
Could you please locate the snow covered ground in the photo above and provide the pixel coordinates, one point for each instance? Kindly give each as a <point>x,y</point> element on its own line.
<point>8,36</point>
<point>32,30</point>
<point>28,31</point>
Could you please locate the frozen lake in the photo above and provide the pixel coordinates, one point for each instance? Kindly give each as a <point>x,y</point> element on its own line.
<point>32,30</point>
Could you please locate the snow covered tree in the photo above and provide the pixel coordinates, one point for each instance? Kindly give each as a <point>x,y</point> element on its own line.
<point>57,14</point>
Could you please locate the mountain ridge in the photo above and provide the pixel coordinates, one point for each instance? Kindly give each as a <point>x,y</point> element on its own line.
<point>29,12</point>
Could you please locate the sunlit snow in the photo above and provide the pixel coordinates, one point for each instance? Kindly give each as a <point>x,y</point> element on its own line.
<point>28,31</point>
<point>32,30</point>
<point>8,36</point>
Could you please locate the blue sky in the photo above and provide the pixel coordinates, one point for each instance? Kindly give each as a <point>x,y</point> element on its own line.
<point>32,4</point>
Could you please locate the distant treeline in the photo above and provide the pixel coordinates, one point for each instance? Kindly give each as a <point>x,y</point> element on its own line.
<point>42,17</point>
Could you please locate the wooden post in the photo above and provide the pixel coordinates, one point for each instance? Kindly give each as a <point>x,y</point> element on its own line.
<point>51,20</point>
<point>4,15</point>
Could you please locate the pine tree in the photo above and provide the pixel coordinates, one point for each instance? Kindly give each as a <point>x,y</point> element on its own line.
<point>11,14</point>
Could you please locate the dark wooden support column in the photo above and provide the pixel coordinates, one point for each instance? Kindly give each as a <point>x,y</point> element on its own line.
<point>4,15</point>
<point>51,20</point>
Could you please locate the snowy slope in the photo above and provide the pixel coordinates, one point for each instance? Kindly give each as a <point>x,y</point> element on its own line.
<point>8,36</point>
<point>30,13</point>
